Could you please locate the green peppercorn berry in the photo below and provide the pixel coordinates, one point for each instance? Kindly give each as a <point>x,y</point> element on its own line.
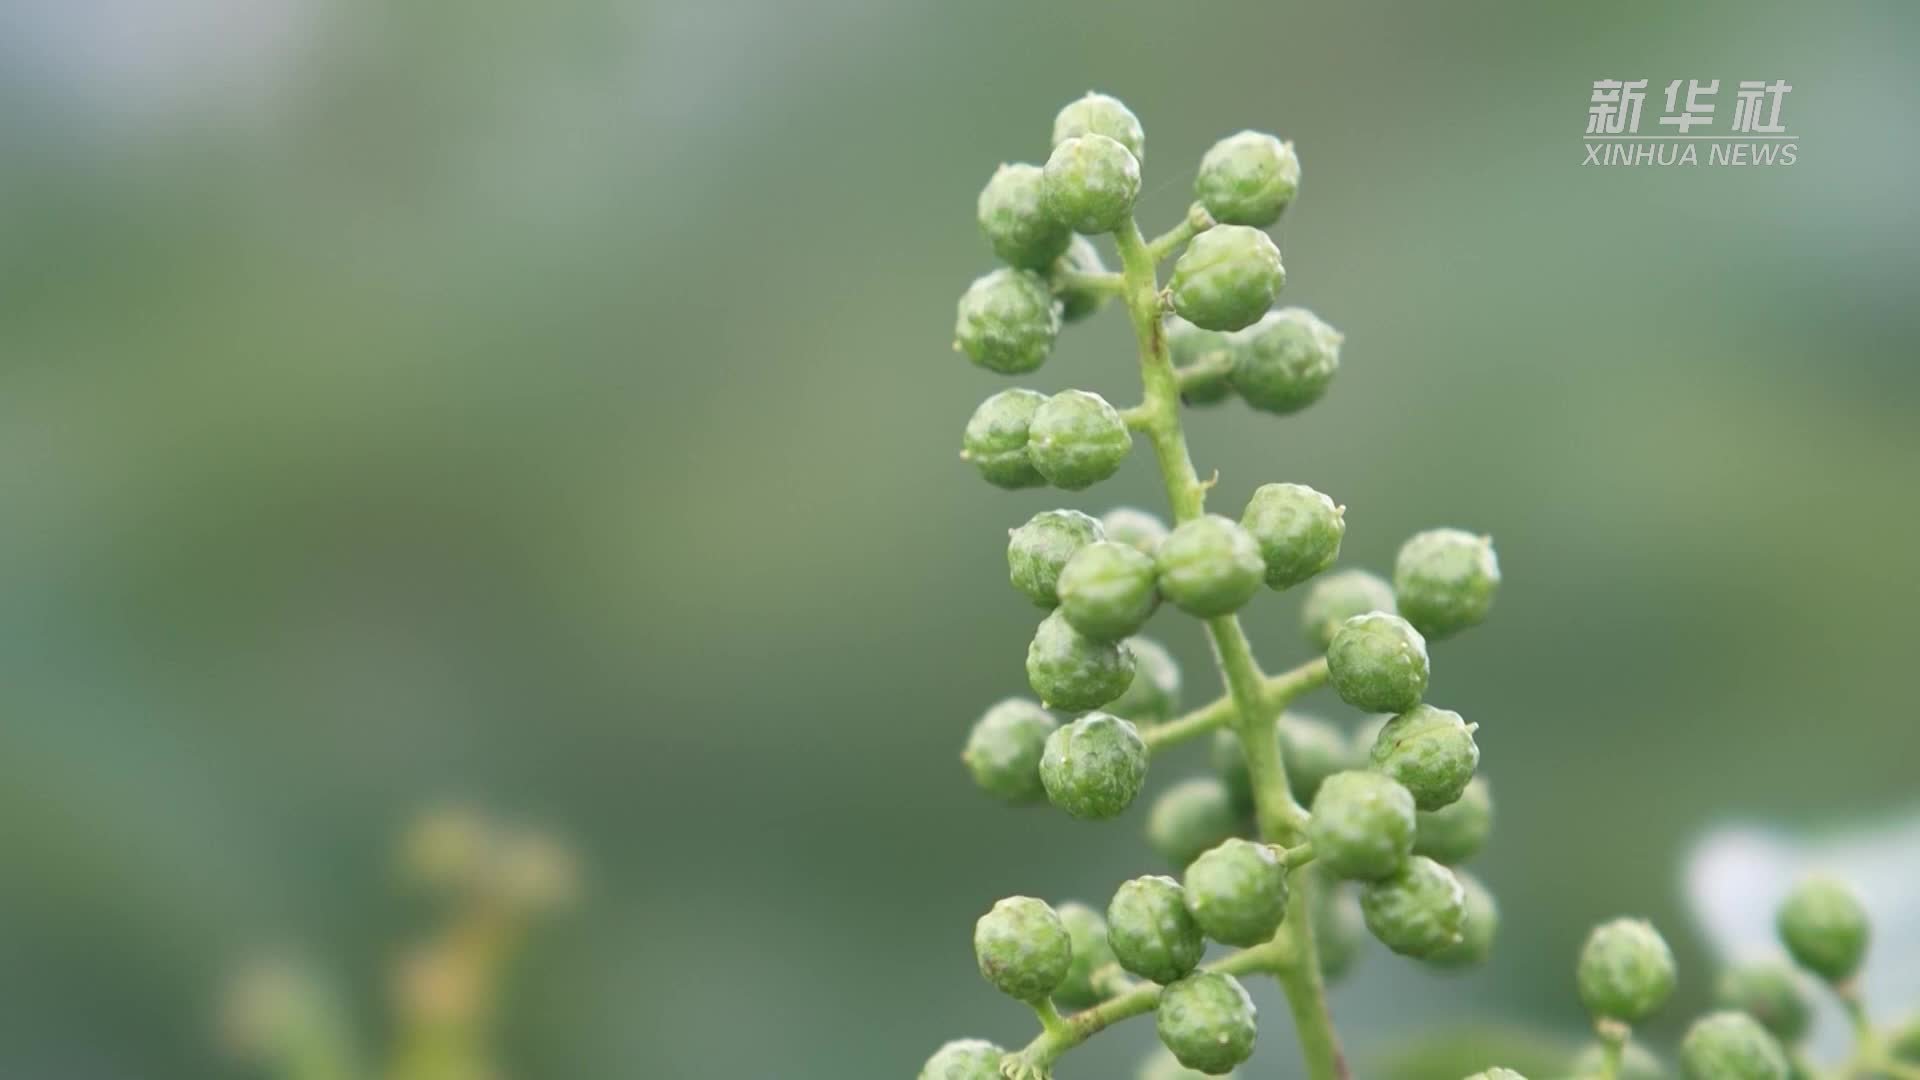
<point>996,439</point>
<point>1077,440</point>
<point>1091,182</point>
<point>1137,529</point>
<point>1193,349</point>
<point>1093,767</point>
<point>1626,971</point>
<point>1298,530</point>
<point>1227,278</point>
<point>1023,948</point>
<point>1286,361</point>
<point>964,1059</point>
<point>1003,751</point>
<point>1154,694</point>
<point>1040,549</point>
<point>1418,910</point>
<point>1152,933</point>
<point>1431,752</point>
<point>1088,932</point>
<point>1189,818</point>
<point>1248,179</point>
<point>1445,579</point>
<point>1339,927</point>
<point>1378,662</point>
<point>1014,217</point>
<point>1078,301</point>
<point>1456,832</point>
<point>1100,114</point>
<point>1209,566</point>
<point>1479,923</point>
<point>1338,597</point>
<point>1824,928</point>
<point>1071,671</point>
<point>1207,1021</point>
<point>1771,993</point>
<point>1362,825</point>
<point>1007,322</point>
<point>1162,1065</point>
<point>1731,1046</point>
<point>1237,892</point>
<point>1107,590</point>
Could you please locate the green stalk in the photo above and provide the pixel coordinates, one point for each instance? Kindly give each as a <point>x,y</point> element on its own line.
<point>1279,816</point>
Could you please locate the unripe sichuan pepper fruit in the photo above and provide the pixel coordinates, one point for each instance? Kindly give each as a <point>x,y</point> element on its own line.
<point>1003,751</point>
<point>1417,910</point>
<point>1207,1021</point>
<point>1023,948</point>
<point>1090,183</point>
<point>1210,566</point>
<point>1190,817</point>
<point>1237,892</point>
<point>1362,825</point>
<point>1039,550</point>
<point>1107,590</point>
<point>1824,928</point>
<point>1338,597</point>
<point>1626,971</point>
<point>1152,932</point>
<point>1071,671</point>
<point>1076,439</point>
<point>1227,279</point>
<point>1430,752</point>
<point>1378,663</point>
<point>1101,114</point>
<point>1444,580</point>
<point>995,440</point>
<point>1297,529</point>
<point>1093,767</point>
<point>1154,694</point>
<point>1286,361</point>
<point>1248,179</point>
<point>1014,216</point>
<point>1007,322</point>
<point>1731,1046</point>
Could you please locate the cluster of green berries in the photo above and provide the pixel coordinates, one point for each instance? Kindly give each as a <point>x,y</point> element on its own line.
<point>1391,812</point>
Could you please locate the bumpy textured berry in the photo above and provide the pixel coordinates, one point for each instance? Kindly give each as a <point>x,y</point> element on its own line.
<point>1152,933</point>
<point>1207,1021</point>
<point>1022,947</point>
<point>1237,892</point>
<point>1209,566</point>
<point>1378,662</point>
<point>1189,818</point>
<point>1007,321</point>
<point>1362,825</point>
<point>1162,1065</point>
<point>1088,932</point>
<point>1093,767</point>
<point>996,439</point>
<point>1298,530</point>
<point>1107,590</point>
<point>1417,911</point>
<point>1101,114</point>
<point>1771,993</point>
<point>1338,597</point>
<point>1444,580</point>
<point>1479,924</point>
<point>1077,440</point>
<point>1456,832</point>
<point>1135,528</point>
<point>1091,182</point>
<point>1286,360</point>
<point>1227,278</point>
<point>1824,928</point>
<point>1190,347</point>
<point>1003,751</point>
<point>1248,179</point>
<point>1626,971</point>
<point>1039,550</point>
<point>1431,753</point>
<point>1078,301</point>
<point>964,1059</point>
<point>1071,671</point>
<point>1154,694</point>
<point>1731,1046</point>
<point>1339,928</point>
<point>1014,216</point>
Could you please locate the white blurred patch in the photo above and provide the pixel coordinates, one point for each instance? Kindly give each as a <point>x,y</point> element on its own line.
<point>1736,877</point>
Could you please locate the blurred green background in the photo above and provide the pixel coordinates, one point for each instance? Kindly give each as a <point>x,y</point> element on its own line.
<point>550,405</point>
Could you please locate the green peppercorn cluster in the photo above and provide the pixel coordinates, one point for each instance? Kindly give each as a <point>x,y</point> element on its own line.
<point>1305,839</point>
